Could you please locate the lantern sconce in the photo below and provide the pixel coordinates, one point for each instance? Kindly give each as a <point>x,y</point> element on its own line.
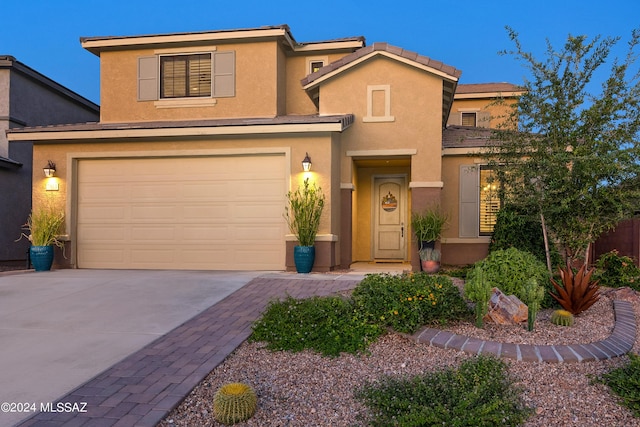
<point>50,169</point>
<point>306,163</point>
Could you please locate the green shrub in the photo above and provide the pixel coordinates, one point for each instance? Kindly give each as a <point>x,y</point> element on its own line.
<point>510,269</point>
<point>478,393</point>
<point>615,270</point>
<point>408,301</point>
<point>625,382</point>
<point>515,229</point>
<point>328,325</point>
<point>456,271</point>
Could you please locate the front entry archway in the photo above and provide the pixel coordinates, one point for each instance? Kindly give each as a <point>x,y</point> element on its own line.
<point>389,221</point>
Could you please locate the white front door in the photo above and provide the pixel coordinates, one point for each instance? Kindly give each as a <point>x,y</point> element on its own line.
<point>389,222</point>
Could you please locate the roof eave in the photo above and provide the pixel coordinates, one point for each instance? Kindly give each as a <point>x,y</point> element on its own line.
<point>96,45</point>
<point>82,133</point>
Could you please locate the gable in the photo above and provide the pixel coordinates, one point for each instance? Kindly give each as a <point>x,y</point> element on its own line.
<point>446,75</point>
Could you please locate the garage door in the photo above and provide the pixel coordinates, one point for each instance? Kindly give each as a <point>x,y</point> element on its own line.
<point>200,213</point>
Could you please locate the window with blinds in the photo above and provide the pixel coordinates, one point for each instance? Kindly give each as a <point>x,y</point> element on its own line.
<point>489,200</point>
<point>184,76</point>
<point>469,119</point>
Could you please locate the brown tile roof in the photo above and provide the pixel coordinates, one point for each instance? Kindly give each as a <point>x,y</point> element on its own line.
<point>381,47</point>
<point>487,88</point>
<point>235,30</point>
<point>345,119</point>
<point>465,137</point>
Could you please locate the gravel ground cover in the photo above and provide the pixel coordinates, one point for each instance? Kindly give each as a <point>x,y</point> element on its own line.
<point>306,389</point>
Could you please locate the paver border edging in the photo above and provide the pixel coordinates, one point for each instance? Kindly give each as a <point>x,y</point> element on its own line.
<point>619,343</point>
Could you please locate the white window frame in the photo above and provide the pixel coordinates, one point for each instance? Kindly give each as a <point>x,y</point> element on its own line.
<point>312,60</point>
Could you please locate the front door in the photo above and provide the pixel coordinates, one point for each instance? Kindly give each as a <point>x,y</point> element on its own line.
<point>389,222</point>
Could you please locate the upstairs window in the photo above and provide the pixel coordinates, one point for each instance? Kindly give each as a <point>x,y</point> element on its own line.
<point>184,76</point>
<point>469,119</point>
<point>315,65</point>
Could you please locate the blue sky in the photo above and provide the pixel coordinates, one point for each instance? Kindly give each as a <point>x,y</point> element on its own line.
<point>44,34</point>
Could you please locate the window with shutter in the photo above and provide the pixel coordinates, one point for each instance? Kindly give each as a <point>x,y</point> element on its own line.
<point>184,76</point>
<point>200,75</point>
<point>469,119</point>
<point>489,200</point>
<point>479,200</point>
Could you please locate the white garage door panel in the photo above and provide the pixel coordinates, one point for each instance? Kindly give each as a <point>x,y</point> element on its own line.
<point>182,213</point>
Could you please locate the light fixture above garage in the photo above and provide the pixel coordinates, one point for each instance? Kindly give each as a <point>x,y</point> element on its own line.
<point>50,169</point>
<point>306,163</point>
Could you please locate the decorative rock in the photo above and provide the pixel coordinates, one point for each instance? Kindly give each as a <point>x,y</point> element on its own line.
<point>506,310</point>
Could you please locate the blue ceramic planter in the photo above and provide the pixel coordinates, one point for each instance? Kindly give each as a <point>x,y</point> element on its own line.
<point>304,256</point>
<point>41,257</point>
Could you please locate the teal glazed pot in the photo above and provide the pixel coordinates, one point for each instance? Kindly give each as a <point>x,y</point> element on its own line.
<point>41,257</point>
<point>304,256</point>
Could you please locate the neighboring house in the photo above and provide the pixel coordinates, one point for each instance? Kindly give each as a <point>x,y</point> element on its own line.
<point>202,134</point>
<point>27,98</point>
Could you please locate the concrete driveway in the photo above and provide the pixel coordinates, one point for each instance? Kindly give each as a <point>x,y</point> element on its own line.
<point>59,329</point>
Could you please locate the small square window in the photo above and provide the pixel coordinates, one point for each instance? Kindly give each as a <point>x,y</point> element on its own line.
<point>315,66</point>
<point>469,119</point>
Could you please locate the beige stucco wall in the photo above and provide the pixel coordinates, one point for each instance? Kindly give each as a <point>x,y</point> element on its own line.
<point>295,146</point>
<point>297,100</point>
<point>256,86</point>
<point>497,111</point>
<point>416,105</point>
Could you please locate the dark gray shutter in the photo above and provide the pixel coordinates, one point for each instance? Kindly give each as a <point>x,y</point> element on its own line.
<point>469,214</point>
<point>483,119</point>
<point>224,74</point>
<point>147,78</point>
<point>454,118</point>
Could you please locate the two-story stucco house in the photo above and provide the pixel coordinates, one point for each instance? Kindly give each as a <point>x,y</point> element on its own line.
<point>201,136</point>
<point>28,98</point>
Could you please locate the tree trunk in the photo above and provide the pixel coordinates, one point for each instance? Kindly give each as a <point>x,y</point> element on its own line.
<point>546,244</point>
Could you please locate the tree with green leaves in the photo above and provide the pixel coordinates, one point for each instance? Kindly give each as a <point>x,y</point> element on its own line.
<point>567,154</point>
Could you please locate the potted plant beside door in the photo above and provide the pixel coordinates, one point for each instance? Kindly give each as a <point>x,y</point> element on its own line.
<point>44,227</point>
<point>427,226</point>
<point>302,213</point>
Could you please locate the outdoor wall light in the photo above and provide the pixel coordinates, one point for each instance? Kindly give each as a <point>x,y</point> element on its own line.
<point>306,163</point>
<point>50,169</point>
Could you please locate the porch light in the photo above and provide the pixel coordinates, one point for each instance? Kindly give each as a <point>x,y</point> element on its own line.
<point>306,163</point>
<point>50,169</point>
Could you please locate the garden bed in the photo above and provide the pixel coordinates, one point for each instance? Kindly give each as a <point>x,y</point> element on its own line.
<point>303,389</point>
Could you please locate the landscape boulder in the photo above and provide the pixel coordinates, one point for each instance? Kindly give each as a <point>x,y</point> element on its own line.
<point>506,309</point>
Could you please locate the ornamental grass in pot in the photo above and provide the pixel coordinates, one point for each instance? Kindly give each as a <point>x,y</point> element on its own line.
<point>44,227</point>
<point>303,212</point>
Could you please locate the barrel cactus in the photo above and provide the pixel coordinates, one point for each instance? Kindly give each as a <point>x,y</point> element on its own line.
<point>234,402</point>
<point>562,318</point>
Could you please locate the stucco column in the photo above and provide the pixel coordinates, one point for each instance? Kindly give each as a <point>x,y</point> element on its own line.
<point>346,226</point>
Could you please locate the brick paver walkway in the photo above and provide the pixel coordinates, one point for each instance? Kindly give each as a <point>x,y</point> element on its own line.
<point>618,343</point>
<point>144,387</point>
